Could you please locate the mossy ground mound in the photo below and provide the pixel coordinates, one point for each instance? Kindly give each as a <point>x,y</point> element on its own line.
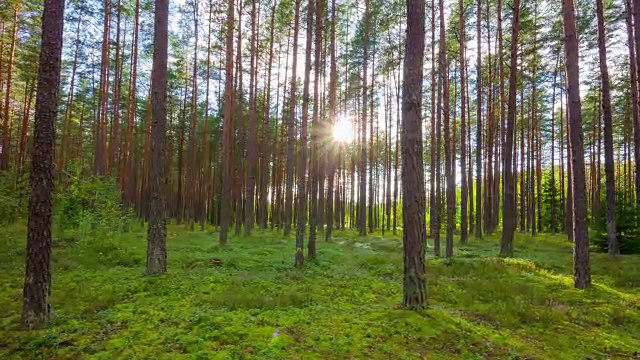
<point>246,301</point>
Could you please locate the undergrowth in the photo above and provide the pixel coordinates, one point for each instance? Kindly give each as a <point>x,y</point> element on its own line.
<point>246,301</point>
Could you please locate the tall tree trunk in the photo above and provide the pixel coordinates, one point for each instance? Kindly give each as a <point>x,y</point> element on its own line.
<point>612,241</point>
<point>157,231</point>
<point>128,179</point>
<point>205,173</point>
<point>636,28</point>
<point>315,136</point>
<point>302,152</point>
<point>414,238</point>
<point>5,155</point>
<point>227,130</point>
<point>37,284</point>
<point>333,98</point>
<point>115,124</point>
<point>478,224</point>
<point>100,138</point>
<point>448,151</point>
<point>288,206</point>
<point>66,131</point>
<point>582,276</point>
<point>554,210</point>
<point>509,198</point>
<point>263,213</point>
<point>634,88</point>
<point>252,146</point>
<point>29,93</point>
<point>464,238</point>
<point>362,171</point>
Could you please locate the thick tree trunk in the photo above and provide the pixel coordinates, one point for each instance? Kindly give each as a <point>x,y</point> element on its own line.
<point>157,232</point>
<point>414,238</point>
<point>582,276</point>
<point>37,284</point>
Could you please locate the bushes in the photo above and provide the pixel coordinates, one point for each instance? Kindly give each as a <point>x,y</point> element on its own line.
<point>14,196</point>
<point>92,206</point>
<point>627,227</point>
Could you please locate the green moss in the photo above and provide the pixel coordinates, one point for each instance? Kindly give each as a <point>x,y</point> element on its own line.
<point>230,302</point>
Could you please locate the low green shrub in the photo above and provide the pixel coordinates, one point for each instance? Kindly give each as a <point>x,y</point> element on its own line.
<point>627,227</point>
<point>14,196</point>
<point>92,206</point>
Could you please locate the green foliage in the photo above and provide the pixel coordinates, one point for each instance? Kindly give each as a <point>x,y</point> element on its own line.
<point>246,301</point>
<point>14,196</point>
<point>547,201</point>
<point>627,227</point>
<point>92,206</point>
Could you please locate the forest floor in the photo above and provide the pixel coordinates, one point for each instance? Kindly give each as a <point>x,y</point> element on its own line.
<point>246,301</point>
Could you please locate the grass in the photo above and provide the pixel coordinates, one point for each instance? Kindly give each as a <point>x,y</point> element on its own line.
<point>229,303</point>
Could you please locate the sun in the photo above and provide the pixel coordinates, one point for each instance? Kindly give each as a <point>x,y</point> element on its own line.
<point>342,130</point>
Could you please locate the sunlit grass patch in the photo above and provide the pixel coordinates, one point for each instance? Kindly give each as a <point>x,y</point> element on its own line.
<point>247,301</point>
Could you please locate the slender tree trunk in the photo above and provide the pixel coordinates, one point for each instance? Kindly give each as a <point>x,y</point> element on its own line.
<point>302,152</point>
<point>288,207</point>
<point>509,198</point>
<point>205,173</point>
<point>554,210</point>
<point>636,28</point>
<point>333,98</point>
<point>128,180</point>
<point>450,181</point>
<point>29,93</point>
<point>66,131</point>
<point>464,238</point>
<point>362,171</point>
<point>252,145</point>
<point>227,130</point>
<point>100,163</point>
<point>263,213</point>
<point>115,124</point>
<point>315,136</point>
<point>478,224</point>
<point>612,241</point>
<point>5,156</point>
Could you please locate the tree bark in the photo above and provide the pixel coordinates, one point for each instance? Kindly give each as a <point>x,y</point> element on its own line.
<point>157,232</point>
<point>5,155</point>
<point>414,238</point>
<point>37,284</point>
<point>302,151</point>
<point>509,198</point>
<point>227,130</point>
<point>582,276</point>
<point>612,241</point>
<point>288,206</point>
<point>478,225</point>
